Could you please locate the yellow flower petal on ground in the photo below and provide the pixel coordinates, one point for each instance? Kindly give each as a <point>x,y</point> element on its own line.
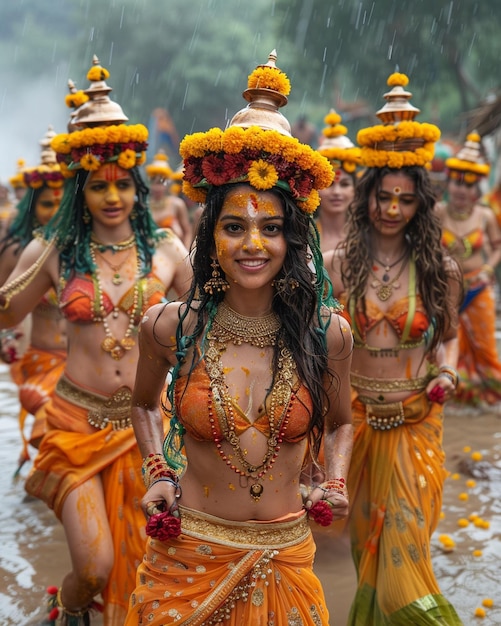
<point>463,496</point>
<point>467,449</point>
<point>485,524</point>
<point>476,456</point>
<point>463,522</point>
<point>442,515</point>
<point>471,483</point>
<point>455,476</point>
<point>477,553</point>
<point>472,517</point>
<point>488,602</point>
<point>479,612</point>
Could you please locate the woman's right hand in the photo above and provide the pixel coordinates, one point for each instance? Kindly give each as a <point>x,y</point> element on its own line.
<point>162,496</point>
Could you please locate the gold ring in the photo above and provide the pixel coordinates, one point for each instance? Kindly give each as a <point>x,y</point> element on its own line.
<point>152,509</point>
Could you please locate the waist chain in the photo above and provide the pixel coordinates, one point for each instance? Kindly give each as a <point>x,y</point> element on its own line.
<point>385,385</point>
<point>101,410</point>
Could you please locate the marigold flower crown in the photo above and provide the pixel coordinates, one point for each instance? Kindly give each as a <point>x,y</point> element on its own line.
<point>101,136</point>
<point>337,147</point>
<point>48,171</point>
<point>399,141</point>
<point>469,162</point>
<point>257,147</point>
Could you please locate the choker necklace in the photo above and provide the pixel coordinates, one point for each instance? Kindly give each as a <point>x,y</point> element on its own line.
<point>460,216</point>
<point>115,247</point>
<point>384,288</point>
<point>388,266</point>
<point>117,279</point>
<point>280,407</point>
<point>230,326</point>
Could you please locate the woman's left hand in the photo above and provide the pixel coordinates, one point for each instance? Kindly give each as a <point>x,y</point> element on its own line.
<point>440,389</point>
<point>338,502</point>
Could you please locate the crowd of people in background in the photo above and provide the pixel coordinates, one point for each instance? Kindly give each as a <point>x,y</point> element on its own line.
<point>220,353</point>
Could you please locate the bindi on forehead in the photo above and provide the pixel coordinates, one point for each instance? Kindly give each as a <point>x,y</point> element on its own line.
<point>252,204</point>
<point>58,193</point>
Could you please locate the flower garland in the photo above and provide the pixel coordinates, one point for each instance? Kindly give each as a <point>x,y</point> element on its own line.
<point>17,180</point>
<point>338,148</point>
<point>49,175</point>
<point>159,167</point>
<point>264,158</point>
<point>92,147</point>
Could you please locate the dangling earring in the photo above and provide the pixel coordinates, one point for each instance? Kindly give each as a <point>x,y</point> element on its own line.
<point>86,216</point>
<point>217,282</point>
<point>133,214</point>
<point>285,286</point>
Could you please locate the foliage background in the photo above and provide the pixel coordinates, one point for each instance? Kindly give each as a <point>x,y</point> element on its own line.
<point>193,57</point>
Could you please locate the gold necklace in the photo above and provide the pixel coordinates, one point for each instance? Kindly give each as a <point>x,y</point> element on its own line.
<point>114,347</point>
<point>117,279</point>
<point>384,288</point>
<point>281,395</point>
<point>115,247</point>
<point>460,216</point>
<point>228,325</point>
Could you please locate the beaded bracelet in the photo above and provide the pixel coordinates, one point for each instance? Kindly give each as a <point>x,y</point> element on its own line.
<point>155,467</point>
<point>449,372</point>
<point>338,485</point>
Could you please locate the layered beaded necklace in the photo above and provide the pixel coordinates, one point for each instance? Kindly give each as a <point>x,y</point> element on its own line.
<point>229,326</point>
<point>116,348</point>
<point>384,288</point>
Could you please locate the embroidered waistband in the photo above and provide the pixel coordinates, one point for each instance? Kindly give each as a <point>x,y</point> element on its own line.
<point>244,535</point>
<point>384,385</point>
<point>102,410</point>
<point>387,415</point>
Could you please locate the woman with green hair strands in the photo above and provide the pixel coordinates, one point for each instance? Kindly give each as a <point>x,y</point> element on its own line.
<point>260,380</point>
<point>108,263</point>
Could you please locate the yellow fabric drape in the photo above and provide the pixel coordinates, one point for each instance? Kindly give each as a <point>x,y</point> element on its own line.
<point>395,485</point>
<point>70,453</point>
<point>250,572</point>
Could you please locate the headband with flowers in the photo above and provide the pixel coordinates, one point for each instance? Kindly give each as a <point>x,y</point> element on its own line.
<point>336,146</point>
<point>257,147</point>
<point>399,141</point>
<point>159,167</point>
<point>468,164</point>
<point>100,136</point>
<point>48,171</point>
<point>17,180</point>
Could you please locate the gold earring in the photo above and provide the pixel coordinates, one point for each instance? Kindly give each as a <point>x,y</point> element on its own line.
<point>86,216</point>
<point>216,283</point>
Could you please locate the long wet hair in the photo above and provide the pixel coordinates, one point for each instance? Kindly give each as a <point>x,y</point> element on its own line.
<point>423,233</point>
<point>25,224</point>
<point>301,310</point>
<point>71,230</point>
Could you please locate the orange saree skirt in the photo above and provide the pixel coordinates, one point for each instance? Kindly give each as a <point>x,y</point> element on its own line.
<point>233,573</point>
<point>395,485</point>
<point>71,452</point>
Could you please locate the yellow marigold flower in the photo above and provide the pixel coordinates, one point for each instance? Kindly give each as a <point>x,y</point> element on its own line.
<point>471,483</point>
<point>74,100</point>
<point>335,131</point>
<point>479,612</point>
<point>472,517</point>
<point>127,159</point>
<point>233,140</point>
<point>141,159</point>
<point>397,80</point>
<point>311,203</point>
<point>262,175</point>
<point>269,78</point>
<point>192,145</point>
<point>97,72</point>
<point>455,476</point>
<point>476,456</point>
<point>214,140</point>
<point>467,449</point>
<point>463,496</point>
<point>332,118</point>
<point>477,553</point>
<point>473,137</point>
<point>349,166</point>
<point>66,172</point>
<point>254,137</point>
<point>485,524</point>
<point>197,195</point>
<point>463,522</point>
<point>90,163</point>
<point>488,602</point>
<point>60,144</point>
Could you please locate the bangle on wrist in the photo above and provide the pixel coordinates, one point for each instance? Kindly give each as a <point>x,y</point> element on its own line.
<point>488,269</point>
<point>450,373</point>
<point>155,467</point>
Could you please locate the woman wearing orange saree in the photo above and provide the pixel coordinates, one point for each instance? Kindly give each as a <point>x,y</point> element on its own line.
<point>472,235</point>
<point>401,293</point>
<point>108,263</point>
<point>261,372</point>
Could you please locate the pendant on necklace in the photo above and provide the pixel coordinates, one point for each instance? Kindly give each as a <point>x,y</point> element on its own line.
<point>385,291</point>
<point>386,277</point>
<point>117,279</point>
<point>256,489</point>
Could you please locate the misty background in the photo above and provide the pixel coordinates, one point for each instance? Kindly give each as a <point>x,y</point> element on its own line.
<point>191,58</point>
